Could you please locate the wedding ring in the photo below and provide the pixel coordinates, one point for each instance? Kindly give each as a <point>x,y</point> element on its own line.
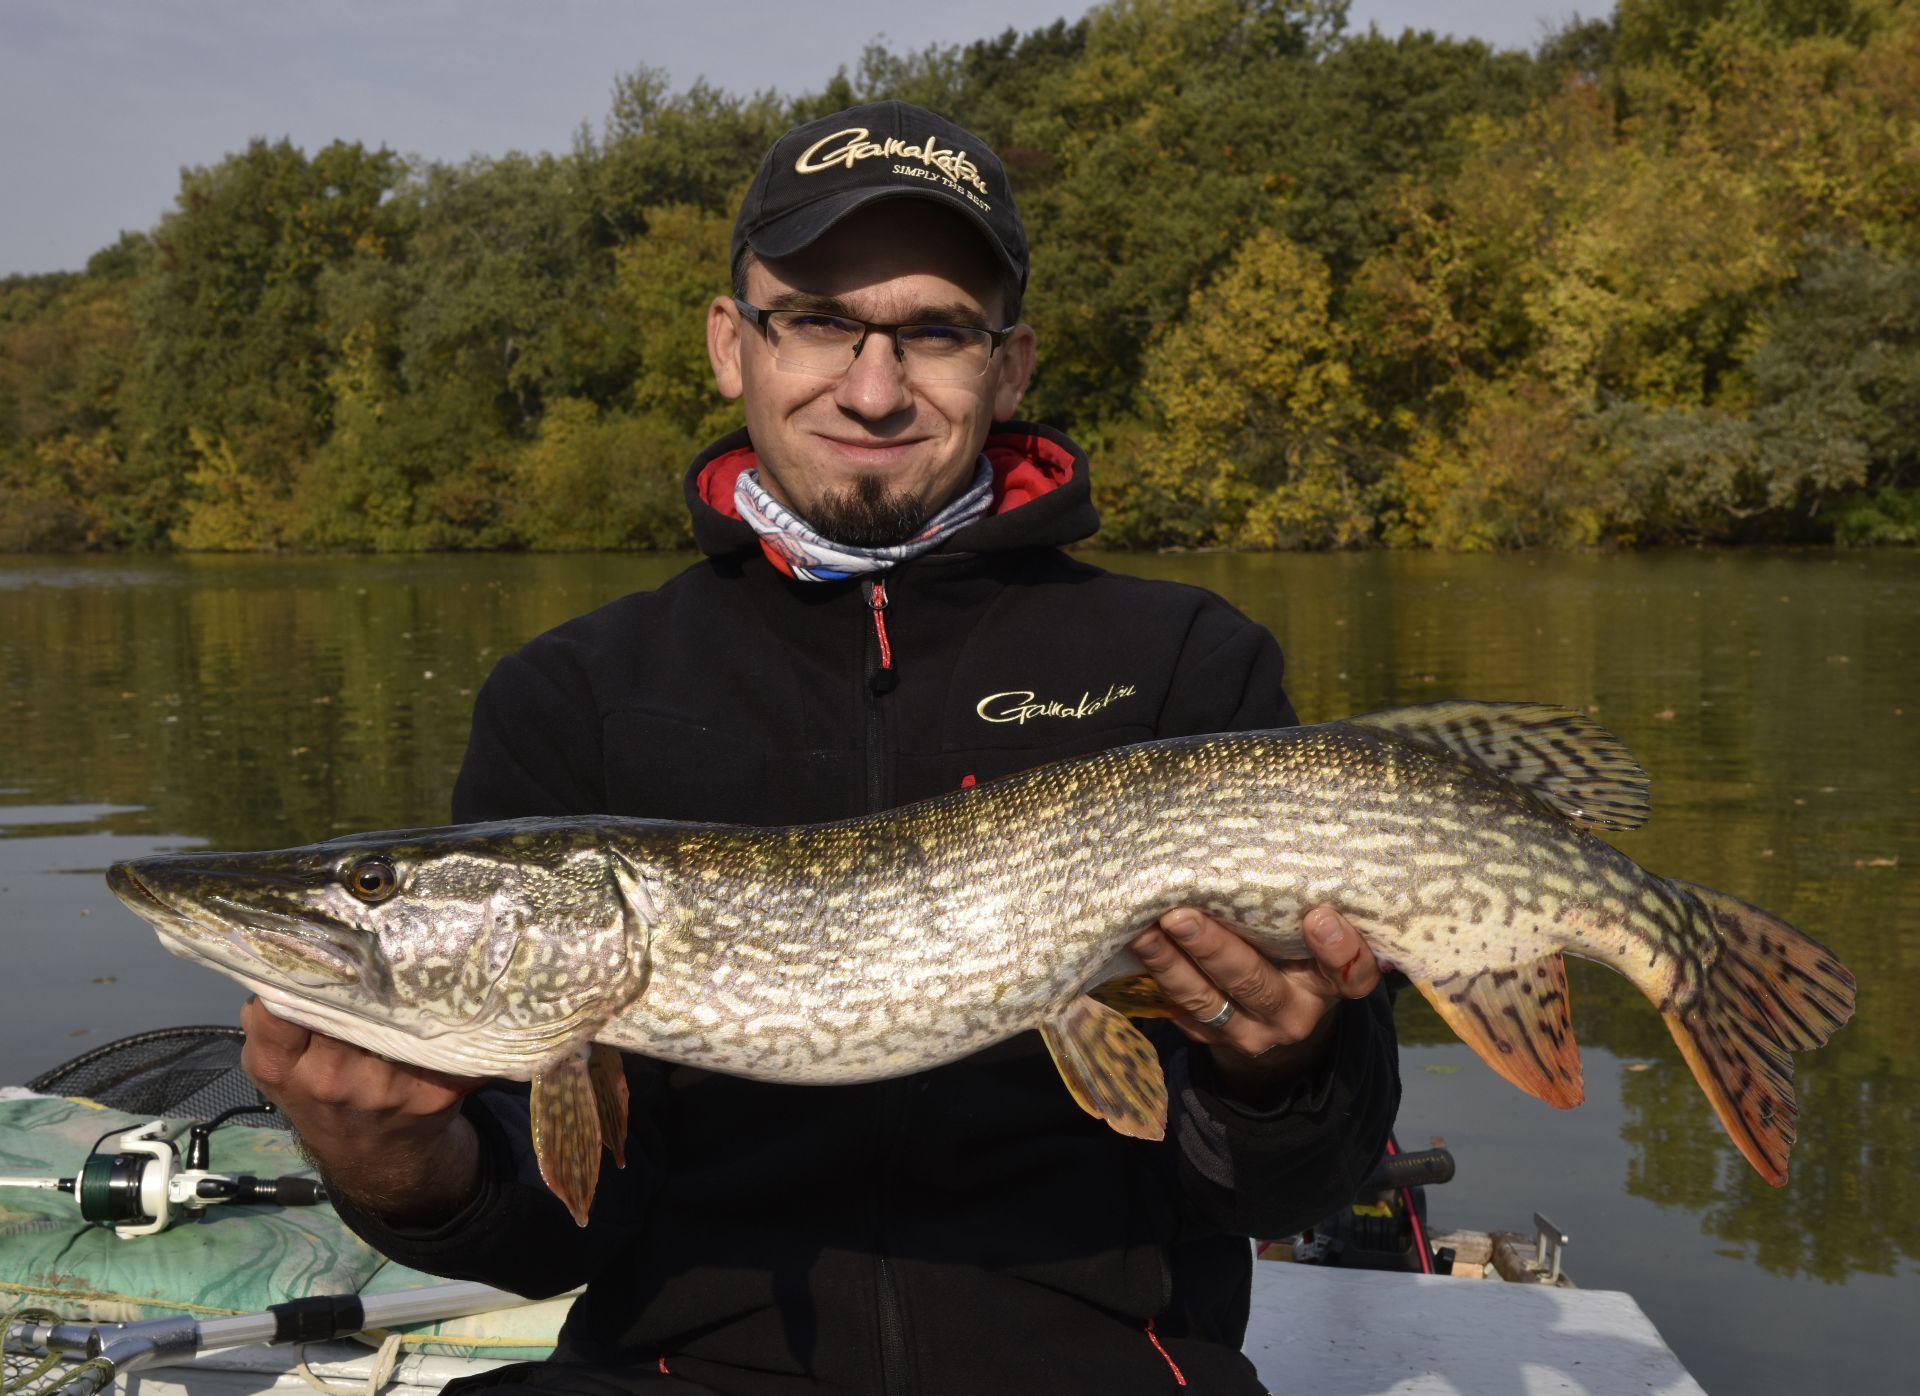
<point>1226,1012</point>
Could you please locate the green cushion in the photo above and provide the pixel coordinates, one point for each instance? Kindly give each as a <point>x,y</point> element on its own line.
<point>229,1260</point>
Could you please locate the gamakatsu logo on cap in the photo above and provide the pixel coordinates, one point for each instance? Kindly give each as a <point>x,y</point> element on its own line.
<point>954,164</point>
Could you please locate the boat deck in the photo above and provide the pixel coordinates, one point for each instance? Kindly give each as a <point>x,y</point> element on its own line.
<point>1370,1333</point>
<point>1329,1332</point>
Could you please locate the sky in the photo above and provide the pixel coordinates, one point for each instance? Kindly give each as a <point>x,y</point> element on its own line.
<point>103,102</point>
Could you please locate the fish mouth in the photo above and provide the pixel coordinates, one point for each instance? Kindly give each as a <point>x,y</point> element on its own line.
<point>238,936</point>
<point>300,955</point>
<point>127,886</point>
<point>293,955</point>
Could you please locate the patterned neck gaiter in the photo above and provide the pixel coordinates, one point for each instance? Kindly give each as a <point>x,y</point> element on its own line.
<point>796,548</point>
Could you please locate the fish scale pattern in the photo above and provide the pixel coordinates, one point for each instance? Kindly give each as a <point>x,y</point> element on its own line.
<point>1456,836</point>
<point>862,949</point>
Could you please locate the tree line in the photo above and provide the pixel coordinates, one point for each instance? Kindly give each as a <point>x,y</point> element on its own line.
<point>1296,286</point>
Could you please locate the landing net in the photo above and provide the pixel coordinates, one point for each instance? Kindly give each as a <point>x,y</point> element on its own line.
<point>25,1374</point>
<point>189,1072</point>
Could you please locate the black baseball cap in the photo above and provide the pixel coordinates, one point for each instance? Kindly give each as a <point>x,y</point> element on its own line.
<point>817,174</point>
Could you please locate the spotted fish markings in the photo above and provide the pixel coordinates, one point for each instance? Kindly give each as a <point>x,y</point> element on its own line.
<point>1458,837</point>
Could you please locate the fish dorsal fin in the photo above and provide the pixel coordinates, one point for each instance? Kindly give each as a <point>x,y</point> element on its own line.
<point>1519,1021</point>
<point>1563,758</point>
<point>1109,1066</point>
<point>576,1106</point>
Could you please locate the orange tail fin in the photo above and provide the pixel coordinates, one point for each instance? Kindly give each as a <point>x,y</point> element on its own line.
<point>1773,991</point>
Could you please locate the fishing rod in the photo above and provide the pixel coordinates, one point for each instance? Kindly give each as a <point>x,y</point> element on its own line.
<point>105,1350</point>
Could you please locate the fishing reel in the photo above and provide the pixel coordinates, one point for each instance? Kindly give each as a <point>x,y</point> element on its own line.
<point>144,1184</point>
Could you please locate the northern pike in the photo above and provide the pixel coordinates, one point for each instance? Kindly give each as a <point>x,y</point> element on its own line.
<point>1456,836</point>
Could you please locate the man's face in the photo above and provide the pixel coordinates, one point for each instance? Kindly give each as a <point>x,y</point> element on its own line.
<point>867,456</point>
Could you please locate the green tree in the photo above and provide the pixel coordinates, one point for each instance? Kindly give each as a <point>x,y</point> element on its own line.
<point>1522,466</point>
<point>1644,283</point>
<point>659,147</point>
<point>1682,31</point>
<point>67,347</point>
<point>600,481</point>
<point>1826,405</point>
<point>663,282</point>
<point>503,291</point>
<point>232,391</point>
<point>1256,411</point>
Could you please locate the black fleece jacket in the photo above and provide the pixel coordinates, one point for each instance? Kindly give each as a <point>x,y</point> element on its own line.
<point>964,1229</point>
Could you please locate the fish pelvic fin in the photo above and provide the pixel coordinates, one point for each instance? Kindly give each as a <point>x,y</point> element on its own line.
<point>1563,758</point>
<point>1772,991</point>
<point>609,1081</point>
<point>1137,996</point>
<point>1519,1020</point>
<point>572,1112</point>
<point>1110,1067</point>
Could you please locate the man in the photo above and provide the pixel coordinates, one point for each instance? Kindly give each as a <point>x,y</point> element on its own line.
<point>884,614</point>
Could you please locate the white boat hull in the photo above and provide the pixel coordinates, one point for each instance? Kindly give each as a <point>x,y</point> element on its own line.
<point>1359,1332</point>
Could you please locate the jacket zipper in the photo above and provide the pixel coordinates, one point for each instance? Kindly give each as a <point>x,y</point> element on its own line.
<point>882,676</point>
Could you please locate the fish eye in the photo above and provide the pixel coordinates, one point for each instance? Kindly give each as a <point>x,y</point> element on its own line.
<point>372,879</point>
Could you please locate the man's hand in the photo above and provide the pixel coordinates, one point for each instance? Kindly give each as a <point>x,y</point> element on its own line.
<point>1278,1015</point>
<point>389,1136</point>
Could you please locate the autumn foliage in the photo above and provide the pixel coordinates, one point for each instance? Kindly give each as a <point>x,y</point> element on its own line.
<point>1656,281</point>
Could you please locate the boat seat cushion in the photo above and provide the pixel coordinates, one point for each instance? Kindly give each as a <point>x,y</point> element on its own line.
<point>228,1260</point>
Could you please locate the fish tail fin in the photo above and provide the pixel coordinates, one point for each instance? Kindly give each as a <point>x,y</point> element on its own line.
<point>1771,991</point>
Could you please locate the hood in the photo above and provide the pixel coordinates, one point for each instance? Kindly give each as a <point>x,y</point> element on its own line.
<point>1041,496</point>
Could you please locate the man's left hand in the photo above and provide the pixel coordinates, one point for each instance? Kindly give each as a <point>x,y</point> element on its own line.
<point>1279,1015</point>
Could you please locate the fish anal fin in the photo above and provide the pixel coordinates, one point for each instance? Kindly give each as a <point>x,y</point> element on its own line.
<point>609,1080</point>
<point>1109,1066</point>
<point>566,1132</point>
<point>1563,758</point>
<point>1519,1022</point>
<point>1771,991</point>
<point>1136,996</point>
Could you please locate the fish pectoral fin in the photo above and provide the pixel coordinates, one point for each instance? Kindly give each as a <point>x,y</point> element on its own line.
<point>566,1132</point>
<point>1563,758</point>
<point>1109,1066</point>
<point>609,1080</point>
<point>1519,1021</point>
<point>1137,996</point>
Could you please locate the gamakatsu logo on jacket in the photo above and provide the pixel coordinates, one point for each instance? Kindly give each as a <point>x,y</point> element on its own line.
<point>1017,705</point>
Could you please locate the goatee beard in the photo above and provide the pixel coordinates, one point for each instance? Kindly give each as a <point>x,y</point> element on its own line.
<point>870,514</point>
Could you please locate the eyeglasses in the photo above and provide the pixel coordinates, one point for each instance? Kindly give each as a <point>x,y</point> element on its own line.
<point>807,341</point>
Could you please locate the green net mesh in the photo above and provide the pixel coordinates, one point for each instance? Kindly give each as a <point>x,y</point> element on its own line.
<point>27,1373</point>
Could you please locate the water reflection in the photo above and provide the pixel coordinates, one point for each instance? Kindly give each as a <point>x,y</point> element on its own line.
<point>1769,697</point>
<point>248,702</point>
<point>26,821</point>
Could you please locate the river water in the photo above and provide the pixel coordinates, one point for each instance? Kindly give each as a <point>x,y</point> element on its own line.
<point>1774,697</point>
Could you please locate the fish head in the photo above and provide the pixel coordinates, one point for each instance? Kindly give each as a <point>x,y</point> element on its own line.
<point>484,949</point>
